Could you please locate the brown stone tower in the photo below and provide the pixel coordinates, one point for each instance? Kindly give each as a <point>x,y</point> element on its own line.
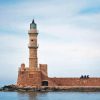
<point>32,75</point>
<point>33,60</point>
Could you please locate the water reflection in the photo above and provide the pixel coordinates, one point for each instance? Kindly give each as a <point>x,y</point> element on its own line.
<point>31,95</point>
<point>58,96</point>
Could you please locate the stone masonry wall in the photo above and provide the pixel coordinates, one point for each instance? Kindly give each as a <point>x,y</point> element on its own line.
<point>74,82</point>
<point>44,73</point>
<point>29,78</point>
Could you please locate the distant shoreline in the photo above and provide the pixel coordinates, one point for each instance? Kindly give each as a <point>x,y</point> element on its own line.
<point>14,88</point>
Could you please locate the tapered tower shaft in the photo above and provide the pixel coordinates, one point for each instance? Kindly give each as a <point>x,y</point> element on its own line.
<point>33,60</point>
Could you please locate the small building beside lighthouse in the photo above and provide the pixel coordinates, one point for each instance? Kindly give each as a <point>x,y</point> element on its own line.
<point>36,75</point>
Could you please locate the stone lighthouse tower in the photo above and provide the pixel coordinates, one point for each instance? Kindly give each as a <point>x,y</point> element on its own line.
<point>33,75</point>
<point>33,60</point>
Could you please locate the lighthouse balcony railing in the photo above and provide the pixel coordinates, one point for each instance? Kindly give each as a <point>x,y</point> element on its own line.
<point>34,31</point>
<point>32,45</point>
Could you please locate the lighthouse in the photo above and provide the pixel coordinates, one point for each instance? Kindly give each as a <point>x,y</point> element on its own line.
<point>34,75</point>
<point>33,60</point>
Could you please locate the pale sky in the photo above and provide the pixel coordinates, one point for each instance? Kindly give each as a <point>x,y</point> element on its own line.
<point>69,36</point>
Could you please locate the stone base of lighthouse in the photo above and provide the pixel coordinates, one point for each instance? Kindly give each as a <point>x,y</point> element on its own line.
<point>27,77</point>
<point>39,77</point>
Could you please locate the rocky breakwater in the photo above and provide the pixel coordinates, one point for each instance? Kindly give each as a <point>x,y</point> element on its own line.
<point>47,89</point>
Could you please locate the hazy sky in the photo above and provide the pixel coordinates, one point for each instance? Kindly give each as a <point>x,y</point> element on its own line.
<point>69,36</point>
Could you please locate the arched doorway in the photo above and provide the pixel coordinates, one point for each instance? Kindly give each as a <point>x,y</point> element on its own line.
<point>44,83</point>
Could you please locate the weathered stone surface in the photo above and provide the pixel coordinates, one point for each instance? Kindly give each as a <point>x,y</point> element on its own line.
<point>74,82</point>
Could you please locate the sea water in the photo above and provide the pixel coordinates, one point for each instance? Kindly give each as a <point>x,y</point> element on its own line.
<point>49,95</point>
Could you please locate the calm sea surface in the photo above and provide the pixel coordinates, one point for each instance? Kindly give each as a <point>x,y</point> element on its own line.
<point>50,96</point>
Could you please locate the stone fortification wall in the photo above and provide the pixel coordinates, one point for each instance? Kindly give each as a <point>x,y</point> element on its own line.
<point>73,82</point>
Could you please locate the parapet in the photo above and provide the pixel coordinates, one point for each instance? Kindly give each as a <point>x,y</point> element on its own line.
<point>32,31</point>
<point>22,67</point>
<point>43,69</point>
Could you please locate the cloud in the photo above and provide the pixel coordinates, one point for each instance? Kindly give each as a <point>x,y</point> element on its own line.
<point>12,55</point>
<point>69,36</point>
